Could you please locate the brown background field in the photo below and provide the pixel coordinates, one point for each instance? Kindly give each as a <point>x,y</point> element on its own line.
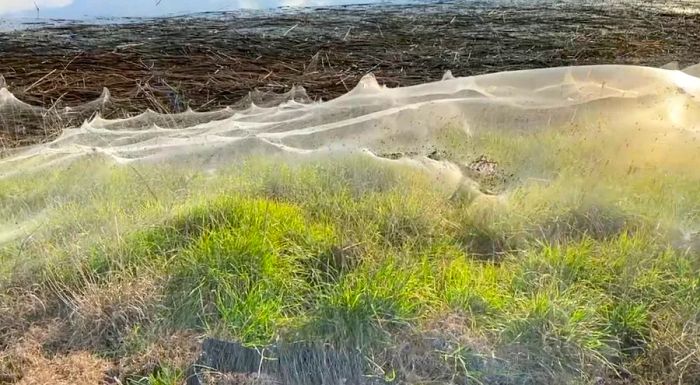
<point>207,61</point>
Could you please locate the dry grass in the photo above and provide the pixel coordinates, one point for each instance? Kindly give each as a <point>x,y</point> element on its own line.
<point>177,350</point>
<point>211,61</point>
<point>26,362</point>
<point>43,349</point>
<point>18,307</point>
<point>101,316</point>
<point>675,350</point>
<point>237,379</point>
<point>57,337</point>
<point>447,348</point>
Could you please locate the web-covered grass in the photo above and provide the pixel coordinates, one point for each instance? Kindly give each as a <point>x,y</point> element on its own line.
<point>584,267</point>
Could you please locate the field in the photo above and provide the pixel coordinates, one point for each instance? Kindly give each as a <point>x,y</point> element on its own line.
<point>210,61</point>
<point>362,268</point>
<point>523,228</point>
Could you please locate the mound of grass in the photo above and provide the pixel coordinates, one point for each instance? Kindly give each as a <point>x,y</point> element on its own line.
<point>570,280</point>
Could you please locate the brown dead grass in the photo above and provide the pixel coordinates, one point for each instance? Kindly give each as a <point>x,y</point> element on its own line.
<point>447,347</point>
<point>675,348</point>
<point>207,63</point>
<point>57,335</point>
<point>26,362</point>
<point>72,369</point>
<point>17,308</point>
<point>237,379</point>
<point>178,350</point>
<point>100,316</point>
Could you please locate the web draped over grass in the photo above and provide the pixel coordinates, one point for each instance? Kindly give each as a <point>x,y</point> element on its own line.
<point>573,257</point>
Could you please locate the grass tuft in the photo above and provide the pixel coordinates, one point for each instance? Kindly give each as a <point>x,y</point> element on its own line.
<point>563,279</point>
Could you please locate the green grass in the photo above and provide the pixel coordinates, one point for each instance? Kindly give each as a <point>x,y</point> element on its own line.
<point>164,376</point>
<point>569,276</point>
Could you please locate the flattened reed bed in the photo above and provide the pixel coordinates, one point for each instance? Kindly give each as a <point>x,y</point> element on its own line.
<point>208,61</point>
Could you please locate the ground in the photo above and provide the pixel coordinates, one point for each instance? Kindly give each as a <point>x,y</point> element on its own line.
<point>579,280</point>
<point>564,257</point>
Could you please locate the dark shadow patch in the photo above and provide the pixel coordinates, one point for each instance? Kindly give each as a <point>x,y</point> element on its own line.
<point>286,363</point>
